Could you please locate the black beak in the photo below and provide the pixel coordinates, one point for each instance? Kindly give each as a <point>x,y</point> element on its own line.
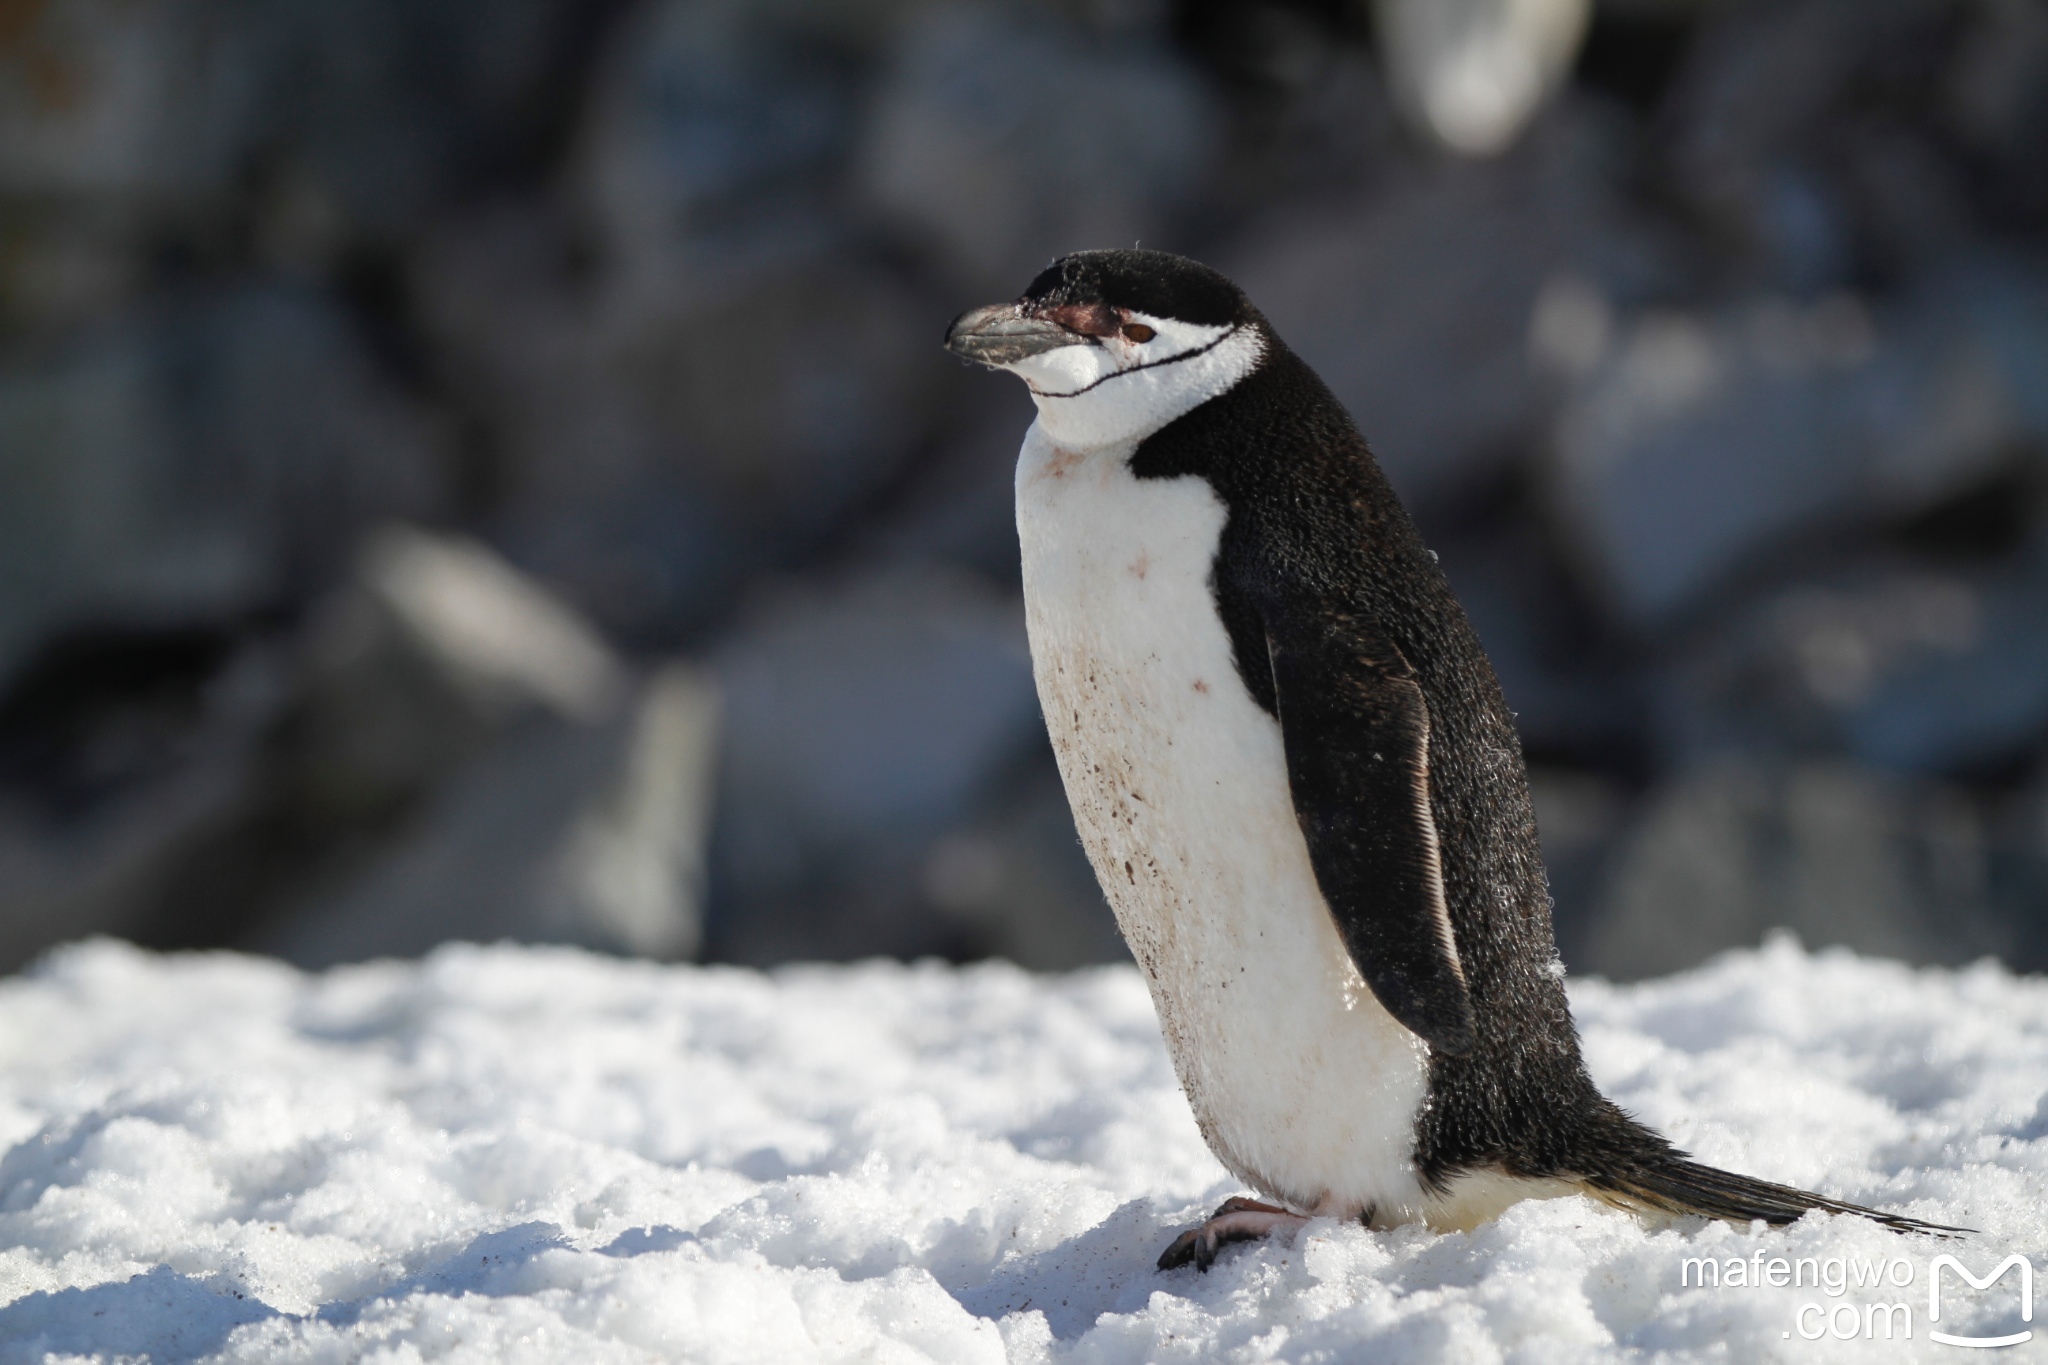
<point>1001,334</point>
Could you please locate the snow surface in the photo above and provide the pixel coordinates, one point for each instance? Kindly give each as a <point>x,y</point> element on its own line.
<point>535,1154</point>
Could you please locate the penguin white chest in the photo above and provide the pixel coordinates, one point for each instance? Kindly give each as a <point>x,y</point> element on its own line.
<point>1304,1086</point>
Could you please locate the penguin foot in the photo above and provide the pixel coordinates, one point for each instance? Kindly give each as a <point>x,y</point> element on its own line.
<point>1237,1220</point>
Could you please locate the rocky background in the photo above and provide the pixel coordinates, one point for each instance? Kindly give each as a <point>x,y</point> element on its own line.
<point>488,470</point>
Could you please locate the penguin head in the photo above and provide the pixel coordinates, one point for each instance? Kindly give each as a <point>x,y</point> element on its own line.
<point>1115,344</point>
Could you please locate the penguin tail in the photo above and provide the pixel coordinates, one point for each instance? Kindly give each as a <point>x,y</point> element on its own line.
<point>1679,1186</point>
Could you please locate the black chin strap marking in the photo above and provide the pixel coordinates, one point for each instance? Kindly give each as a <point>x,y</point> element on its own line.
<point>1148,365</point>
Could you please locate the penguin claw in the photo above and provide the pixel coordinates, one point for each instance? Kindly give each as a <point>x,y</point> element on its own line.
<point>1235,1220</point>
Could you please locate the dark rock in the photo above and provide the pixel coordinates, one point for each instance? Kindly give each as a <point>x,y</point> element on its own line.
<point>709,146</point>
<point>1835,853</point>
<point>863,724</point>
<point>1018,886</point>
<point>1002,138</point>
<point>195,463</point>
<point>1996,88</point>
<point>122,755</point>
<point>1428,290</point>
<point>961,508</point>
<point>1770,98</point>
<point>1916,669</point>
<point>397,107</point>
<point>588,833</point>
<point>651,448</point>
<point>502,772</point>
<point>1579,815</point>
<point>1574,692</point>
<point>1701,442</point>
<point>147,110</point>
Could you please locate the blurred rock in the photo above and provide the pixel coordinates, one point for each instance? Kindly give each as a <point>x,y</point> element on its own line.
<point>1996,89</point>
<point>587,832</point>
<point>1018,886</point>
<point>484,767</point>
<point>1579,815</point>
<point>121,753</point>
<point>1700,442</point>
<point>862,725</point>
<point>961,509</point>
<point>651,448</point>
<point>583,484</point>
<point>1574,694</point>
<point>1835,853</point>
<point>436,648</point>
<point>397,106</point>
<point>144,106</point>
<point>140,137</point>
<point>1912,669</point>
<point>792,401</point>
<point>709,145</point>
<point>1472,73</point>
<point>1002,138</point>
<point>2018,837</point>
<point>1415,305</point>
<point>196,463</point>
<point>1788,128</point>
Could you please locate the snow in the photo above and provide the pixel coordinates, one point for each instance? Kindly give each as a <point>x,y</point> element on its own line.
<point>536,1154</point>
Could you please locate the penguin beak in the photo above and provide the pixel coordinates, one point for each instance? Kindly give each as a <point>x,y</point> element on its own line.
<point>1002,334</point>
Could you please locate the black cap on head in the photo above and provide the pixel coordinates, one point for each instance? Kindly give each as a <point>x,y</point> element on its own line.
<point>1158,283</point>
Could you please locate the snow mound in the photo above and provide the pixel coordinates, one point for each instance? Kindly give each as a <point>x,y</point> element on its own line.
<point>536,1154</point>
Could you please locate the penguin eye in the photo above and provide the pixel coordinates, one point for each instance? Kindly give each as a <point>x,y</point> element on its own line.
<point>1138,331</point>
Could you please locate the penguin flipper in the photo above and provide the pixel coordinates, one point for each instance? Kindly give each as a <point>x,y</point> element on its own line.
<point>1355,727</point>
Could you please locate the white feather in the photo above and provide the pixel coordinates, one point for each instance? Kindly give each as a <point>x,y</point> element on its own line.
<point>1304,1086</point>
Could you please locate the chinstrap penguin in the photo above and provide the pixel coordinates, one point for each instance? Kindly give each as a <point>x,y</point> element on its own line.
<point>1296,778</point>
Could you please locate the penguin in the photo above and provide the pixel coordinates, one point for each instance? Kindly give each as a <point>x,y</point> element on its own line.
<point>1294,773</point>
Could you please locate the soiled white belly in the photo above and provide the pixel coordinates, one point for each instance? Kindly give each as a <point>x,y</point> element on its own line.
<point>1304,1086</point>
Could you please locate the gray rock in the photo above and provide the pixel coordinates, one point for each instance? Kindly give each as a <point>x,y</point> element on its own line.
<point>195,463</point>
<point>1470,74</point>
<point>1702,441</point>
<point>222,129</point>
<point>1835,853</point>
<point>1780,117</point>
<point>657,435</point>
<point>590,833</point>
<point>587,487</point>
<point>416,667</point>
<point>106,793</point>
<point>1910,669</point>
<point>1571,691</point>
<point>1997,98</point>
<point>1017,885</point>
<point>712,132</point>
<point>1002,138</point>
<point>1579,816</point>
<point>792,401</point>
<point>146,108</point>
<point>863,724</point>
<point>1416,305</point>
<point>961,509</point>
<point>539,791</point>
<point>394,106</point>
